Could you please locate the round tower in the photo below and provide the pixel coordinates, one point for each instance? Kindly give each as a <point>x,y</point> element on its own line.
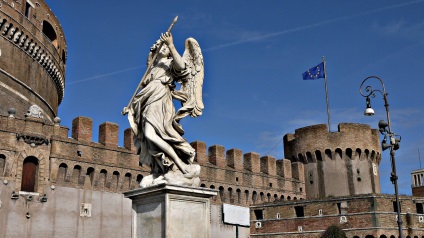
<point>342,163</point>
<point>32,59</point>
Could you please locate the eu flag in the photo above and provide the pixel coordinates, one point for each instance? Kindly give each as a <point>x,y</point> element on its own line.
<point>314,72</point>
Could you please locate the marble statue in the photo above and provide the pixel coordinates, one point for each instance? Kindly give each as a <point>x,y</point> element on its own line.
<point>154,119</point>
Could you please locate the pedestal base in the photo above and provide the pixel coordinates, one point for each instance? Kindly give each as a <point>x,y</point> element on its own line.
<point>166,211</point>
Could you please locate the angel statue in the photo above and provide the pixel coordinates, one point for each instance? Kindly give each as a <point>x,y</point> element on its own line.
<point>153,117</point>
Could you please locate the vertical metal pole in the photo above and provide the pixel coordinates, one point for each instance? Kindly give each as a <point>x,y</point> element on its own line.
<point>326,94</point>
<point>393,177</point>
<point>237,236</point>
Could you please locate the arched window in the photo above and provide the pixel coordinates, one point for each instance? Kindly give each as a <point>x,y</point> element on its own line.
<point>318,155</point>
<point>49,31</point>
<point>288,198</point>
<point>64,57</point>
<point>268,195</point>
<point>275,197</point>
<point>339,153</point>
<point>369,236</point>
<point>328,154</point>
<point>221,194</point>
<point>90,174</point>
<point>254,197</point>
<point>76,174</point>
<point>115,179</point>
<point>383,236</point>
<point>246,193</point>
<point>203,185</point>
<point>127,181</point>
<point>262,196</point>
<point>231,195</point>
<point>139,178</point>
<point>349,153</point>
<point>309,157</point>
<point>61,173</point>
<point>282,198</point>
<point>102,178</point>
<point>238,191</point>
<point>2,164</point>
<point>29,174</point>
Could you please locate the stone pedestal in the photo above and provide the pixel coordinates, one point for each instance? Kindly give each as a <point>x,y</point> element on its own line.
<point>165,211</point>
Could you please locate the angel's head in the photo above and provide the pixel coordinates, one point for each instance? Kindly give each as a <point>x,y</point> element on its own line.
<point>164,51</point>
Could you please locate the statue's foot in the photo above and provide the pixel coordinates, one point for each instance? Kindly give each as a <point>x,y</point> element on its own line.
<point>191,178</point>
<point>151,180</point>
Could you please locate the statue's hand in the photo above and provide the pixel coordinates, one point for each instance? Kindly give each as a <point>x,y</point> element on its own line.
<point>125,111</point>
<point>167,38</point>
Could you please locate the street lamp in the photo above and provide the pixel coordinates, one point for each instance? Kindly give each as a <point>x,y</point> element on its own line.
<point>386,130</point>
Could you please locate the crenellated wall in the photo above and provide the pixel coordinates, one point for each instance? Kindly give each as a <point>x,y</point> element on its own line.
<point>78,162</point>
<point>349,156</point>
<point>249,178</point>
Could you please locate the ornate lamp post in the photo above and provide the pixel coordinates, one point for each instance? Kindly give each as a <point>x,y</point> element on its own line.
<point>386,130</point>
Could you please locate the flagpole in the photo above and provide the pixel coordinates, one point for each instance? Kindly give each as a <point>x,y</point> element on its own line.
<point>326,94</point>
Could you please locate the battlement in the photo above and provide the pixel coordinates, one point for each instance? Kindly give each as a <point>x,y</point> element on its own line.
<point>313,143</point>
<point>77,161</point>
<point>353,151</point>
<point>234,159</point>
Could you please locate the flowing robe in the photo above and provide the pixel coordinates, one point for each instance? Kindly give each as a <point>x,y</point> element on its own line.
<point>154,105</point>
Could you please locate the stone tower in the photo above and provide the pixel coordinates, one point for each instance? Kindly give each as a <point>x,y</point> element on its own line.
<point>32,59</point>
<point>342,163</point>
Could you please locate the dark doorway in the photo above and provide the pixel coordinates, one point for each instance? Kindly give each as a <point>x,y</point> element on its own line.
<point>29,174</point>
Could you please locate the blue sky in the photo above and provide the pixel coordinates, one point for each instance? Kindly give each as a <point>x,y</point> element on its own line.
<point>255,53</point>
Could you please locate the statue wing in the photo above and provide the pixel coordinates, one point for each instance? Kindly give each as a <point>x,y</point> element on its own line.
<point>192,82</point>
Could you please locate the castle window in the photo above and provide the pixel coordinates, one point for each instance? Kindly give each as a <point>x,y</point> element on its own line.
<point>28,6</point>
<point>262,196</point>
<point>115,179</point>
<point>102,178</point>
<point>29,174</point>
<point>328,153</point>
<point>61,174</point>
<point>254,197</point>
<point>318,155</point>
<point>268,197</point>
<point>236,179</point>
<point>76,174</point>
<point>238,191</point>
<point>2,164</point>
<point>259,214</point>
<point>299,211</point>
<point>90,174</point>
<point>127,181</point>
<point>221,193</point>
<point>270,185</point>
<point>50,33</point>
<point>419,207</point>
<point>230,195</point>
<point>203,185</point>
<point>63,57</point>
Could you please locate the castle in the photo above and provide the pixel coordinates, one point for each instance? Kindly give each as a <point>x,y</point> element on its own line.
<point>57,181</point>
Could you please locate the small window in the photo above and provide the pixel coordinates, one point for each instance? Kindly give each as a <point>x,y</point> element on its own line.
<point>236,179</point>
<point>270,185</point>
<point>419,208</point>
<point>259,214</point>
<point>27,9</point>
<point>49,31</point>
<point>299,211</point>
<point>2,164</point>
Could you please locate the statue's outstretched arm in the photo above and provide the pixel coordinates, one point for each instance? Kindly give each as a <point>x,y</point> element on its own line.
<point>178,60</point>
